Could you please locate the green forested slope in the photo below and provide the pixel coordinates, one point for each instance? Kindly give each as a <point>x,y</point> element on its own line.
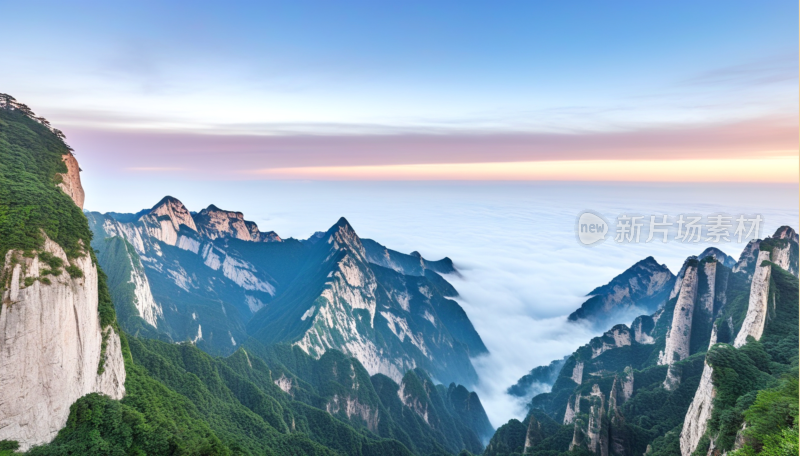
<point>30,159</point>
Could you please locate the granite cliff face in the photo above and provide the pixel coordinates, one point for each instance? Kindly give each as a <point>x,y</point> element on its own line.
<point>51,343</point>
<point>677,343</point>
<point>186,284</point>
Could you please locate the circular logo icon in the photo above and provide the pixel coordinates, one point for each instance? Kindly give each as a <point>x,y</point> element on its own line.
<point>591,228</point>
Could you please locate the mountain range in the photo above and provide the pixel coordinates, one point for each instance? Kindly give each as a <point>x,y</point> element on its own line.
<point>712,370</point>
<point>214,279</point>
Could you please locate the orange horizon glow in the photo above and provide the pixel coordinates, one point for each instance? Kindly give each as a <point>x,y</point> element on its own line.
<point>776,169</point>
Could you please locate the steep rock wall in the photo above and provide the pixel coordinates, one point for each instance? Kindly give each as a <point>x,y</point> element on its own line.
<point>756,317</point>
<point>71,180</point>
<point>50,346</point>
<point>707,299</point>
<point>213,223</point>
<point>748,256</point>
<point>680,332</point>
<point>642,328</point>
<point>336,325</point>
<point>696,420</point>
<point>148,308</point>
<point>572,410</point>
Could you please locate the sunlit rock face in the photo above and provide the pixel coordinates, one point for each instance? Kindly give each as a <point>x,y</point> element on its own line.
<point>338,324</point>
<point>71,180</point>
<point>50,346</point>
<point>214,223</point>
<point>165,219</point>
<point>209,272</point>
<point>148,308</point>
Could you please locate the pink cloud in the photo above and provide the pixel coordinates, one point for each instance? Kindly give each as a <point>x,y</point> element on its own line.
<point>234,156</point>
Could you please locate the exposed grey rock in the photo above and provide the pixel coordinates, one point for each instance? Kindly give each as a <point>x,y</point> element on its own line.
<point>696,420</point>
<point>756,317</point>
<point>577,373</point>
<point>573,408</point>
<point>50,347</point>
<point>680,332</point>
<point>642,328</point>
<point>214,223</point>
<point>748,257</point>
<point>618,336</point>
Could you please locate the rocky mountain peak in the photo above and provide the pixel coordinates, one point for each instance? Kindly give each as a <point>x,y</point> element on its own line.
<point>214,223</point>
<point>786,232</point>
<point>646,269</point>
<point>342,234</point>
<point>343,223</point>
<point>230,214</point>
<point>644,286</point>
<point>174,209</point>
<point>718,255</point>
<point>781,245</point>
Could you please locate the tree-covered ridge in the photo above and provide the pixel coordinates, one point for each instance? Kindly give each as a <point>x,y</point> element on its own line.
<point>30,202</point>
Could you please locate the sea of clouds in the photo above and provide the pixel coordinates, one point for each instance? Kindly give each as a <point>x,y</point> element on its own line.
<point>522,268</point>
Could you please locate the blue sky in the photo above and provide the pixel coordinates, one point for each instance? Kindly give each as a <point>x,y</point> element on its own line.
<point>153,75</point>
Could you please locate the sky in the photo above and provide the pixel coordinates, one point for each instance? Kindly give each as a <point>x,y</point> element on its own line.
<point>446,90</point>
